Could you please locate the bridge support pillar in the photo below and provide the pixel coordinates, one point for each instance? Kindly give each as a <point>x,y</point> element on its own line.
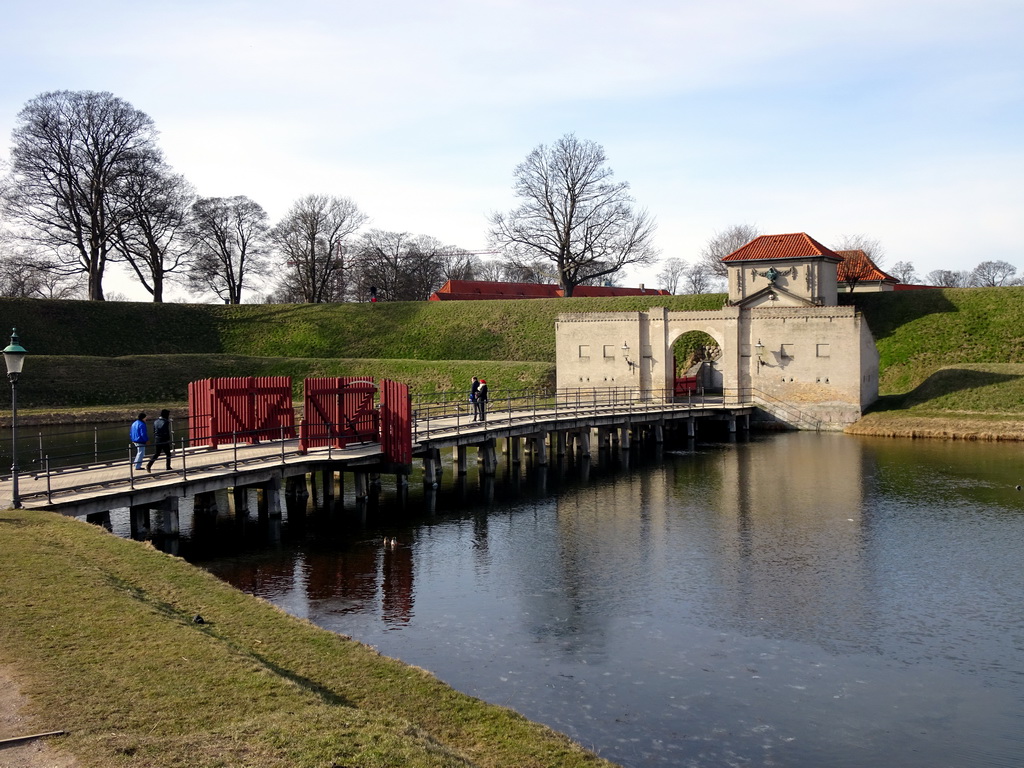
<point>560,443</point>
<point>461,463</point>
<point>659,432</point>
<point>296,487</point>
<point>432,468</point>
<point>167,517</point>
<point>732,425</point>
<point>489,457</point>
<point>691,427</point>
<point>361,480</point>
<point>541,444</point>
<point>270,499</point>
<point>242,496</point>
<point>516,449</point>
<point>138,521</point>
<point>323,486</point>
<point>583,438</point>
<point>624,432</point>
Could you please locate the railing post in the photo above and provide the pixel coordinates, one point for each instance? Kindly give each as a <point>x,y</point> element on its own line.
<point>48,490</point>
<point>184,468</point>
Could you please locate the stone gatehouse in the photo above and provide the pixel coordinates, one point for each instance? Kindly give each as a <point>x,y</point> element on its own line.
<point>783,339</point>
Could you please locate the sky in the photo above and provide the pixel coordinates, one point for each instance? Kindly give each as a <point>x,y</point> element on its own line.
<point>898,120</point>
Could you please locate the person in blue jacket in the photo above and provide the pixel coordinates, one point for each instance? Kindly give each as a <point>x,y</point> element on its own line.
<point>139,436</point>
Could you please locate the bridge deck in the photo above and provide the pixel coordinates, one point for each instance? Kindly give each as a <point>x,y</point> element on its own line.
<point>93,487</point>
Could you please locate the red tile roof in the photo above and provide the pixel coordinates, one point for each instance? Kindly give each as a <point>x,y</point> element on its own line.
<point>798,245</point>
<point>478,290</point>
<point>858,267</point>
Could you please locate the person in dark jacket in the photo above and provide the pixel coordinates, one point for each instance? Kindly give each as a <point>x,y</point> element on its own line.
<point>139,436</point>
<point>473,390</point>
<point>161,439</point>
<point>481,399</point>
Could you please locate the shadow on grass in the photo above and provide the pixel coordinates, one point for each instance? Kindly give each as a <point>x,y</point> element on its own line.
<point>941,384</point>
<point>326,695</point>
<point>887,311</point>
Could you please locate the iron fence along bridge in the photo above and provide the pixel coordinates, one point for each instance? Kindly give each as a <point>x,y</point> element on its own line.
<point>106,460</point>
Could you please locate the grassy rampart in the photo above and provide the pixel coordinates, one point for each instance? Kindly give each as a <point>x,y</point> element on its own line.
<point>940,350</point>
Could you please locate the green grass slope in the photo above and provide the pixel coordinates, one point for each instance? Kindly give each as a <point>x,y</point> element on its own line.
<point>455,330</point>
<point>921,332</point>
<point>70,382</point>
<point>101,633</point>
<point>95,353</point>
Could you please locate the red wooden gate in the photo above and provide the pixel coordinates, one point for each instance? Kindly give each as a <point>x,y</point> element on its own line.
<point>339,410</point>
<point>396,422</point>
<point>246,408</point>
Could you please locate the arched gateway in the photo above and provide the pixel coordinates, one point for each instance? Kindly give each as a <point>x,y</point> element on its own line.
<point>785,343</point>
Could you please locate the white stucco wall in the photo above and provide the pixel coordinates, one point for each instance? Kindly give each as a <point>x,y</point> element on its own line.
<point>820,360</point>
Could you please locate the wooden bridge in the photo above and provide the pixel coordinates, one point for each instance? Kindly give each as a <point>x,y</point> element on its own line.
<point>275,467</point>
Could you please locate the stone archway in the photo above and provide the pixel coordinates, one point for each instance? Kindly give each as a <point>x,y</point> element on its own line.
<point>695,354</point>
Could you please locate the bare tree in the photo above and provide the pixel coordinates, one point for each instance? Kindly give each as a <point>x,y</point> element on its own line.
<point>573,215</point>
<point>671,274</point>
<point>697,279</point>
<point>990,274</point>
<point>871,247</point>
<point>25,276</point>
<point>948,278</point>
<point>722,244</point>
<point>454,263</point>
<point>312,239</point>
<point>905,271</point>
<point>228,235</point>
<point>72,153</point>
<point>152,235</point>
<point>404,267</point>
<point>492,270</point>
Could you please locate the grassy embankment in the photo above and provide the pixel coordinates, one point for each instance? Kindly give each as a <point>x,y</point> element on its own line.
<point>951,360</point>
<point>952,363</point>
<point>101,633</point>
<point>88,355</point>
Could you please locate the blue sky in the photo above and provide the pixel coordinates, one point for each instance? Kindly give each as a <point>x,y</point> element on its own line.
<point>902,120</point>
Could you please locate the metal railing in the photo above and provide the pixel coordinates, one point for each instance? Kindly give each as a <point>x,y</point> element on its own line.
<point>241,451</point>
<point>434,414</point>
<point>451,412</point>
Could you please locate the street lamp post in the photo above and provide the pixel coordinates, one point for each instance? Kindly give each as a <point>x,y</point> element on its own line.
<point>14,357</point>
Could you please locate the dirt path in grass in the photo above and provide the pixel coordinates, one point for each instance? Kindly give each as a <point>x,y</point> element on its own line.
<point>35,753</point>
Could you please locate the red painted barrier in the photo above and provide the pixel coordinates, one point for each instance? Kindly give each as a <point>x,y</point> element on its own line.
<point>685,385</point>
<point>396,422</point>
<point>249,408</point>
<point>339,410</point>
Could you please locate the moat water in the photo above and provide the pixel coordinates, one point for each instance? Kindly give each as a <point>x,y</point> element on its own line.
<point>791,600</point>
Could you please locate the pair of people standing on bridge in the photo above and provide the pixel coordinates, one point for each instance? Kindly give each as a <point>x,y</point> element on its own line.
<point>139,436</point>
<point>478,397</point>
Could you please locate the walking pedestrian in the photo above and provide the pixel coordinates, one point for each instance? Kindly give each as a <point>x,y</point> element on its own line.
<point>139,436</point>
<point>473,391</point>
<point>161,439</point>
<point>481,399</point>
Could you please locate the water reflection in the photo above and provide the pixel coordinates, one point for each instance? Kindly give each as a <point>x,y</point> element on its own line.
<point>797,600</point>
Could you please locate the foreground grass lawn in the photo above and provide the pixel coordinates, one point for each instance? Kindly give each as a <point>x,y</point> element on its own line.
<point>101,633</point>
